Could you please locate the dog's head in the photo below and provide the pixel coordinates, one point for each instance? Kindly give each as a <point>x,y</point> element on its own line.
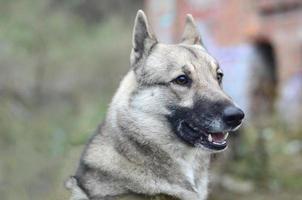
<point>183,83</point>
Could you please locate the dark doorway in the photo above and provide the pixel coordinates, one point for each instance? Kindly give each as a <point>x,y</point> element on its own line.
<point>263,81</point>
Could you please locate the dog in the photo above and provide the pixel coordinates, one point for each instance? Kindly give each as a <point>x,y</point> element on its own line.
<point>167,117</point>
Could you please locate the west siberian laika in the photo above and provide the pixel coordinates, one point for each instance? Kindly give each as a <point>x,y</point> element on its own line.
<point>166,118</point>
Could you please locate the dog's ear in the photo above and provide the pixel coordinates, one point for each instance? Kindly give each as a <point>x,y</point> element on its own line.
<point>143,38</point>
<point>190,35</point>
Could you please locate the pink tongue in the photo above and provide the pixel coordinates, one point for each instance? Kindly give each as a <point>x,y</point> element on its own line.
<point>218,137</point>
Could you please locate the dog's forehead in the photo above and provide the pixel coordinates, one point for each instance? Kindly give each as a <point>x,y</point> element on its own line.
<point>179,55</point>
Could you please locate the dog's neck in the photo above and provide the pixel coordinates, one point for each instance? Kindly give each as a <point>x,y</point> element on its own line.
<point>168,169</point>
<point>146,154</point>
<point>165,160</point>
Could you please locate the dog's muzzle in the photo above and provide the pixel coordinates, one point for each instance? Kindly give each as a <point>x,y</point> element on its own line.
<point>210,131</point>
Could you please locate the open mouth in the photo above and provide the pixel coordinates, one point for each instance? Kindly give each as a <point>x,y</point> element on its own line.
<point>216,141</point>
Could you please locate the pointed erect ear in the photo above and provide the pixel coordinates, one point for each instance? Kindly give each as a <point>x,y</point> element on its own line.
<point>143,38</point>
<point>191,34</point>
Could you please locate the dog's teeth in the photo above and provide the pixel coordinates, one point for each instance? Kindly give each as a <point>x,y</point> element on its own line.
<point>210,139</point>
<point>226,135</point>
<point>220,143</point>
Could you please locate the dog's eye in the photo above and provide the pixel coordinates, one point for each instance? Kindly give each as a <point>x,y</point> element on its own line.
<point>182,80</point>
<point>219,76</point>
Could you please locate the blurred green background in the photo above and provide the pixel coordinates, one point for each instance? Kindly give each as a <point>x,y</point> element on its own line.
<point>60,62</point>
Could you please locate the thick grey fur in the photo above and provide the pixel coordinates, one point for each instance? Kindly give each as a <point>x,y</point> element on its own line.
<point>134,151</point>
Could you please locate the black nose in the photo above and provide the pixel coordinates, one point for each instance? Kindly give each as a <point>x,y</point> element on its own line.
<point>232,116</point>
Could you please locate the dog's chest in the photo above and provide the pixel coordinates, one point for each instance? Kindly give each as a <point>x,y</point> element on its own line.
<point>188,168</point>
<point>195,175</point>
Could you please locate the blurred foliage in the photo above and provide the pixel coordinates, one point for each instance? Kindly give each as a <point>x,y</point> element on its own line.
<point>58,72</point>
<point>268,166</point>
